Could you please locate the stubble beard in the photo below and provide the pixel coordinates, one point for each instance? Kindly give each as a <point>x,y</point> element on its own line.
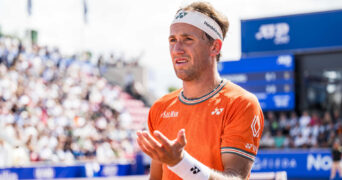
<point>185,74</point>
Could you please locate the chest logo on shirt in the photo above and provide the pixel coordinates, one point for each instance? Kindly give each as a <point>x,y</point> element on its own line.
<point>256,126</point>
<point>217,111</point>
<point>171,114</point>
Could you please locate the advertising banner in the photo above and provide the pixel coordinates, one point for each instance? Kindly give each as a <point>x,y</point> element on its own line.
<point>270,78</point>
<point>298,164</point>
<point>293,33</point>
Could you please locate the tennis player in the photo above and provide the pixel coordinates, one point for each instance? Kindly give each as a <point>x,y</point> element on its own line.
<point>210,128</point>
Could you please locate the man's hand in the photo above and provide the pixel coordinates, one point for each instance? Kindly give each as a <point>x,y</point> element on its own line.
<point>164,150</point>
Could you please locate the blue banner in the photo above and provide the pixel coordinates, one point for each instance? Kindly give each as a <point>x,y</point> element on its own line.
<point>42,172</point>
<point>77,171</point>
<point>257,64</point>
<point>276,101</point>
<point>299,164</point>
<point>294,33</point>
<point>270,78</point>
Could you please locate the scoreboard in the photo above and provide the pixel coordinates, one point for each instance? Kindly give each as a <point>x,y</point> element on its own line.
<point>270,78</point>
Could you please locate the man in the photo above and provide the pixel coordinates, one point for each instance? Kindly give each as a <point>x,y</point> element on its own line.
<point>222,122</point>
<point>336,157</point>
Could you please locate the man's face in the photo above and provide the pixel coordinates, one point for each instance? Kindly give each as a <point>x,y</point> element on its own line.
<point>190,51</point>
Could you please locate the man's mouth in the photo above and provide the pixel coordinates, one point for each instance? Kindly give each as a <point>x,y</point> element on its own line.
<point>181,60</point>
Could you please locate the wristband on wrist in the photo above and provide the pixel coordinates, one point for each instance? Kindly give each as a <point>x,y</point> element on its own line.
<point>189,168</point>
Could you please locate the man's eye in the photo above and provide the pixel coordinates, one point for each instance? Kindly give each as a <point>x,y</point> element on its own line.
<point>172,40</point>
<point>189,39</point>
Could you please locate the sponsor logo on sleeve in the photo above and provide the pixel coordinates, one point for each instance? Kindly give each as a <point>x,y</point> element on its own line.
<point>256,126</point>
<point>251,147</point>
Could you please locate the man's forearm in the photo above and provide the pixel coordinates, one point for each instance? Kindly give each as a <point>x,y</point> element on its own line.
<point>230,174</point>
<point>189,168</point>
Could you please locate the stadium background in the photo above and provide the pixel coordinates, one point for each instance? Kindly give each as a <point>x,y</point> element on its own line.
<point>71,109</point>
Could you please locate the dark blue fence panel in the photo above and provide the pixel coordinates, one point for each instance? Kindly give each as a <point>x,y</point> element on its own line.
<point>299,164</point>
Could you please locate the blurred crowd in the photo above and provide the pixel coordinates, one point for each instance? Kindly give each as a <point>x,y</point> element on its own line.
<point>309,130</point>
<point>59,109</point>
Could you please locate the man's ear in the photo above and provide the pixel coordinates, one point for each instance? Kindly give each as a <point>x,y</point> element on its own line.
<point>216,47</point>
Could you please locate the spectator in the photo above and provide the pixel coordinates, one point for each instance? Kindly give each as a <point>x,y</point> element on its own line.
<point>4,154</point>
<point>295,131</point>
<point>279,140</point>
<point>272,122</point>
<point>20,156</point>
<point>327,118</point>
<point>282,121</point>
<point>337,116</point>
<point>312,141</point>
<point>289,142</point>
<point>300,141</point>
<point>305,119</point>
<point>267,141</point>
<point>322,140</point>
<point>336,153</point>
<point>315,119</point>
<point>293,119</point>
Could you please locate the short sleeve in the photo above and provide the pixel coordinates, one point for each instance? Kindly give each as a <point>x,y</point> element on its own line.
<point>150,122</point>
<point>243,126</point>
<point>153,117</point>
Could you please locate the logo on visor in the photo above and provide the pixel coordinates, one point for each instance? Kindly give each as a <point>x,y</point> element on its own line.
<point>212,28</point>
<point>181,15</point>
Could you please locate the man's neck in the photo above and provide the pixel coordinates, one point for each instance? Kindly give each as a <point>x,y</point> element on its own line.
<point>200,87</point>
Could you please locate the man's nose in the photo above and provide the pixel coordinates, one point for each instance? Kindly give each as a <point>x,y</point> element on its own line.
<point>178,48</point>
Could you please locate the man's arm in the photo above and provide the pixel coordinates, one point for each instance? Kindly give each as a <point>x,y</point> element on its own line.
<point>235,167</point>
<point>156,170</point>
<point>171,153</point>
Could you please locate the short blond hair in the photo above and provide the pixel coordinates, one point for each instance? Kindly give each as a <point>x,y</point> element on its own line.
<point>207,9</point>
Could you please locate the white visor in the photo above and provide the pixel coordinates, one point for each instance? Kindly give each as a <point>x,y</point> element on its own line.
<point>200,21</point>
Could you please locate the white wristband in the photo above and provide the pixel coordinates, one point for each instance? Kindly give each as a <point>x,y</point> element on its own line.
<point>189,168</point>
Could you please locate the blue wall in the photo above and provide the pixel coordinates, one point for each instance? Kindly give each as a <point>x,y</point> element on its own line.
<point>85,170</point>
<point>76,171</point>
<point>299,164</point>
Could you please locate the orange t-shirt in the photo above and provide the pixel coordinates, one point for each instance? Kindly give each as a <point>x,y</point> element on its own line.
<point>227,120</point>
